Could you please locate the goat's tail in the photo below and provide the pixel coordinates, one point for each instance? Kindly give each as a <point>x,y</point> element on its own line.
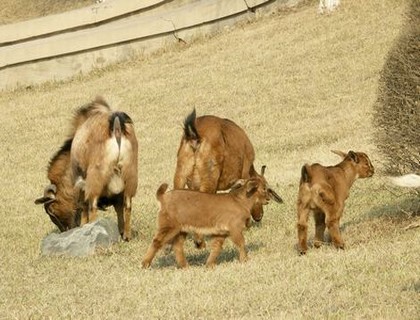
<point>116,130</point>
<point>161,190</point>
<point>118,125</point>
<point>190,131</point>
<point>305,175</point>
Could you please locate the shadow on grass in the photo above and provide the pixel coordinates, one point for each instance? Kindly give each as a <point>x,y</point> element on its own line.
<point>400,212</point>
<point>228,254</point>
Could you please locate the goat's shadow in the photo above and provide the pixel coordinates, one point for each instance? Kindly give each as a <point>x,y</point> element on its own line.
<point>199,256</point>
<point>400,212</point>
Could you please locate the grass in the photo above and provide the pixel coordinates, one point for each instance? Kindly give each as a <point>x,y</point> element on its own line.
<point>12,11</point>
<point>300,84</point>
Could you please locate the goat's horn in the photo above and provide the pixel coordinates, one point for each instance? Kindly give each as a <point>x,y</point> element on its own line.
<point>50,188</point>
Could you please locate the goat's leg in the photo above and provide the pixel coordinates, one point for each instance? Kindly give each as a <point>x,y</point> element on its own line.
<point>178,247</point>
<point>216,247</point>
<point>319,228</point>
<point>127,218</point>
<point>184,166</point>
<point>119,209</point>
<point>162,237</point>
<point>93,209</point>
<point>332,222</point>
<point>123,209</point>
<point>238,239</point>
<point>84,216</point>
<point>302,227</point>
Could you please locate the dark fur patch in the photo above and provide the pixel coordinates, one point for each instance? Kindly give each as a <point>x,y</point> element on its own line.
<point>65,149</point>
<point>190,131</point>
<point>305,177</point>
<point>124,119</point>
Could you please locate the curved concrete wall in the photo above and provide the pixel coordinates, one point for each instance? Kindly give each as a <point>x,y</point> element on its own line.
<point>60,46</point>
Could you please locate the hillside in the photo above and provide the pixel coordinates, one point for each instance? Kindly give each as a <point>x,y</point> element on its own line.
<point>300,84</point>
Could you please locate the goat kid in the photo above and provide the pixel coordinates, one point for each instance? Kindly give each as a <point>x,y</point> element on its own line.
<point>213,154</point>
<point>219,215</point>
<point>323,191</point>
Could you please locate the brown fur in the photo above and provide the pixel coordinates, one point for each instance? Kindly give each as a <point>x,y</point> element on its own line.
<point>58,197</point>
<point>104,158</point>
<point>213,154</point>
<point>219,215</point>
<point>323,191</point>
<point>64,198</point>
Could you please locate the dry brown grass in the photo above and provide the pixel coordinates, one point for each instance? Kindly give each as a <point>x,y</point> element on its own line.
<point>300,84</point>
<point>12,11</point>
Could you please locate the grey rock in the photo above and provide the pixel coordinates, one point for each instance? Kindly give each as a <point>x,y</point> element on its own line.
<point>81,241</point>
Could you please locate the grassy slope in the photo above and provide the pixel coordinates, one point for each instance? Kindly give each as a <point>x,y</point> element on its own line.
<point>300,84</point>
<point>12,11</point>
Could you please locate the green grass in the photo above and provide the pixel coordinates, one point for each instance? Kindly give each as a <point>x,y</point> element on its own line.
<point>300,84</point>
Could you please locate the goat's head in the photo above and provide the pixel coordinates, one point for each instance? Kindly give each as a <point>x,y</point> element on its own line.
<point>360,161</point>
<point>258,184</point>
<point>61,214</point>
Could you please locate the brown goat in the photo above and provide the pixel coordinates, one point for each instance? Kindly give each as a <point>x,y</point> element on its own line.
<point>59,200</point>
<point>58,196</point>
<point>323,191</point>
<point>104,161</point>
<point>219,215</point>
<point>64,198</point>
<point>213,154</point>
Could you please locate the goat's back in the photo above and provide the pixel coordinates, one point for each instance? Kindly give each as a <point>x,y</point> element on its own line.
<point>202,209</point>
<point>95,148</point>
<point>221,144</point>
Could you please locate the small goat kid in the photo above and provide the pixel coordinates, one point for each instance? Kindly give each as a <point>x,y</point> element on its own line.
<point>323,191</point>
<point>102,147</point>
<point>213,154</point>
<point>219,215</point>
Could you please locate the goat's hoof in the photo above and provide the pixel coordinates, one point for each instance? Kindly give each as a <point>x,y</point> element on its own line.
<point>200,244</point>
<point>339,246</point>
<point>302,252</point>
<point>317,243</point>
<point>126,238</point>
<point>145,264</point>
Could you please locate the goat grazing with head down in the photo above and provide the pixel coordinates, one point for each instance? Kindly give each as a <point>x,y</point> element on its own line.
<point>213,154</point>
<point>219,215</point>
<point>323,191</point>
<point>96,167</point>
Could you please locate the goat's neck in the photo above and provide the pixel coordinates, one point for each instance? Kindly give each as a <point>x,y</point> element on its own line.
<point>350,174</point>
<point>244,201</point>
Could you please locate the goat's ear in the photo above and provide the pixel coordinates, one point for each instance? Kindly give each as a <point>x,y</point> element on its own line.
<point>273,195</point>
<point>263,170</point>
<point>239,183</point>
<point>44,200</point>
<point>251,188</point>
<point>340,153</point>
<point>353,156</point>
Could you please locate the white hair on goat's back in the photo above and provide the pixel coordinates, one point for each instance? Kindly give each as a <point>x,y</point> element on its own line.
<point>408,180</point>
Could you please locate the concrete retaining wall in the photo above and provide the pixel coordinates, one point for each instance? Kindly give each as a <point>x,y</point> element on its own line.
<point>60,46</point>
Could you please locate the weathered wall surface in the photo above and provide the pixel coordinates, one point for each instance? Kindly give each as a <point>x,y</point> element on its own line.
<point>60,46</point>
